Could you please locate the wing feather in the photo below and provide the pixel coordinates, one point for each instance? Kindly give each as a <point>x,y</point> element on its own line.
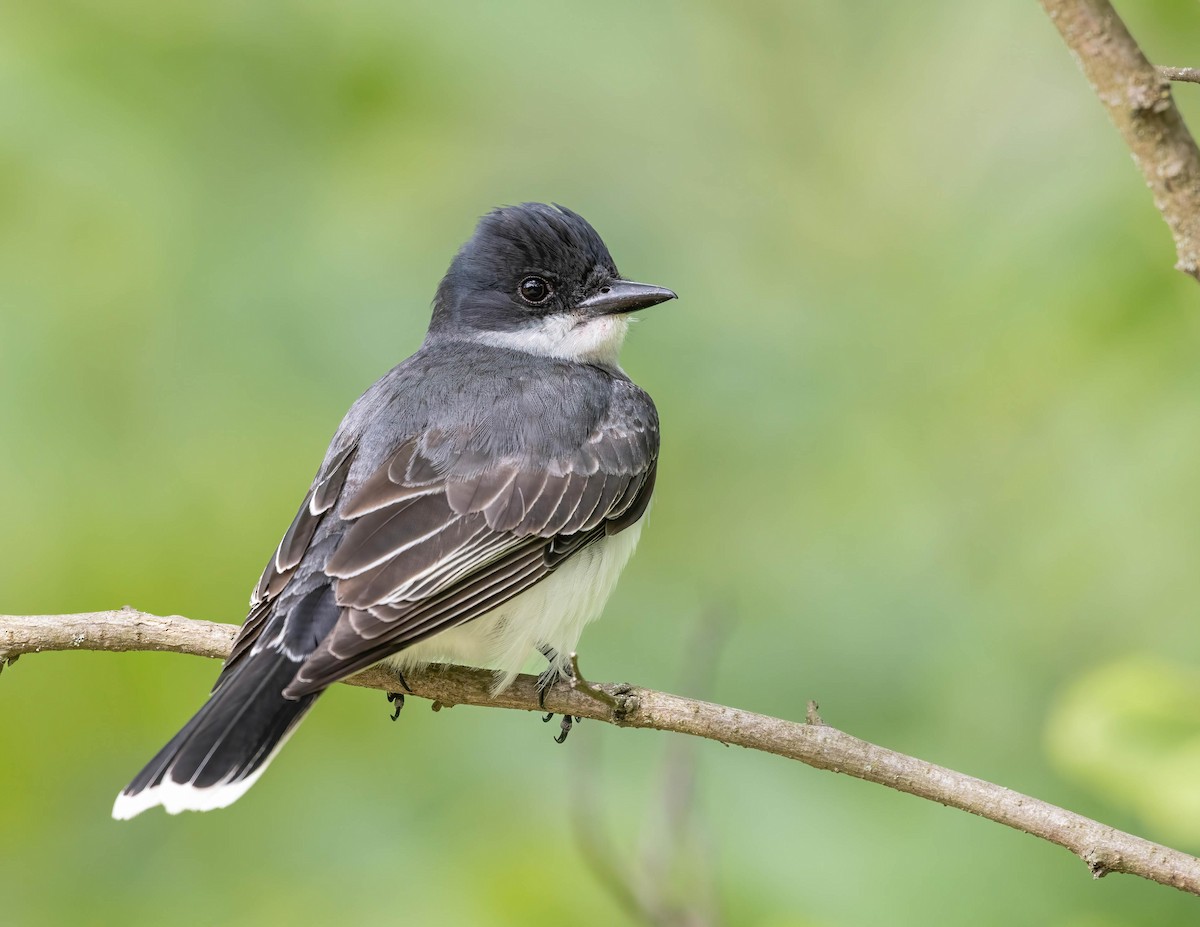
<point>300,533</point>
<point>370,636</point>
<point>568,504</point>
<point>386,533</point>
<point>636,505</point>
<point>509,511</point>
<point>477,494</point>
<point>325,493</point>
<point>445,529</point>
<point>380,491</point>
<point>542,509</point>
<point>296,542</point>
<point>413,562</point>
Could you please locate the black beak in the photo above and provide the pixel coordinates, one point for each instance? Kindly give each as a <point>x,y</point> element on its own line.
<point>625,296</point>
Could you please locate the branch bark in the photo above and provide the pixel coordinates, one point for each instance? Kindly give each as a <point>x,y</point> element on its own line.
<point>1184,75</point>
<point>1138,99</point>
<point>1103,849</point>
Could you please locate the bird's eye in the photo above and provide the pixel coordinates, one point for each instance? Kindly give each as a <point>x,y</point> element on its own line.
<point>534,290</point>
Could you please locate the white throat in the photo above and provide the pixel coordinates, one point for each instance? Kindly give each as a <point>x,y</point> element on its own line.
<point>596,339</point>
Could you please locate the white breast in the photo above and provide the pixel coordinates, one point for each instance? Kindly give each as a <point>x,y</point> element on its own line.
<point>552,613</point>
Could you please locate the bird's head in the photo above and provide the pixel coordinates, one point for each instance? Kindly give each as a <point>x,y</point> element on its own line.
<point>538,279</point>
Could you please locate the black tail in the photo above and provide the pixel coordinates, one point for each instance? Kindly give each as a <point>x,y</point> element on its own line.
<point>226,746</point>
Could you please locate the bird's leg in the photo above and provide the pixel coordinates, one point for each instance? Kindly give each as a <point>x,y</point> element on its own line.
<point>397,698</point>
<point>552,674</point>
<point>548,677</point>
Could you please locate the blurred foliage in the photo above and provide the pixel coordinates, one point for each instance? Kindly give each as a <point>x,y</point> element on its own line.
<point>1127,730</point>
<point>930,403</point>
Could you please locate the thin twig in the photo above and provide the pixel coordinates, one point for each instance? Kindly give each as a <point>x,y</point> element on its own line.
<point>582,685</point>
<point>1184,75</point>
<point>1138,100</point>
<point>1103,848</point>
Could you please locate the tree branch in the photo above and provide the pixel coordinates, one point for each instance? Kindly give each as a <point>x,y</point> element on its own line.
<point>1104,849</point>
<point>1138,99</point>
<point>1186,75</point>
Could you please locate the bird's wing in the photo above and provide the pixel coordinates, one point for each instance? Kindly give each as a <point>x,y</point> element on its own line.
<point>436,539</point>
<point>321,499</point>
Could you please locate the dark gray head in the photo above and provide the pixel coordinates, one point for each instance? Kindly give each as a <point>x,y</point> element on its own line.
<point>538,278</point>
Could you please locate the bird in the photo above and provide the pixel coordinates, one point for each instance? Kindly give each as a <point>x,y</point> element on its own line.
<point>476,505</point>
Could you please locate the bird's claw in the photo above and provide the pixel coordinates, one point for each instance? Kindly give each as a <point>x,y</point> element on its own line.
<point>397,698</point>
<point>565,725</point>
<point>546,682</point>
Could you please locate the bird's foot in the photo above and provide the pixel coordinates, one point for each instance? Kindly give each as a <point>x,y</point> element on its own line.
<point>546,680</point>
<point>565,725</point>
<point>548,677</point>
<point>397,698</point>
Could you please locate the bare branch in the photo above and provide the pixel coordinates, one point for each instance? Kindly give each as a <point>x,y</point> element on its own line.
<point>1103,848</point>
<point>1185,75</point>
<point>1138,99</point>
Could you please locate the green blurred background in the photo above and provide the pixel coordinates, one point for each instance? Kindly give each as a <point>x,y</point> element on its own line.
<point>931,427</point>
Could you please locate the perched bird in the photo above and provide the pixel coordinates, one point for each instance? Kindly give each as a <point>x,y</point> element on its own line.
<point>476,505</point>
